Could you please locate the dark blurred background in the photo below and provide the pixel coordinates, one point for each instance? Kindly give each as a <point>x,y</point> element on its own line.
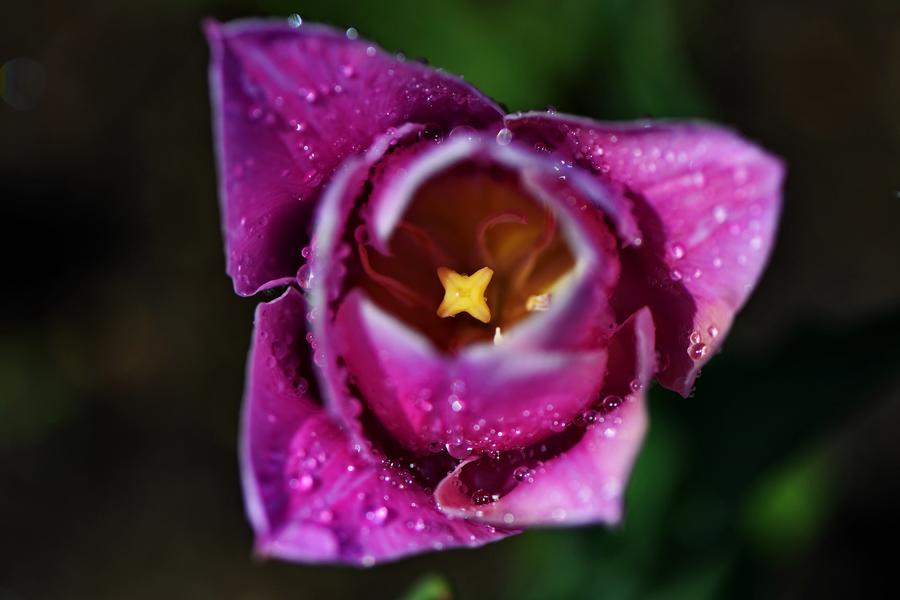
<point>122,346</point>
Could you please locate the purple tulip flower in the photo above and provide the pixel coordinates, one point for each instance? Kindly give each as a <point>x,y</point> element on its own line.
<point>476,302</point>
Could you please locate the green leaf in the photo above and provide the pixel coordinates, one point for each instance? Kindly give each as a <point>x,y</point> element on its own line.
<point>429,587</point>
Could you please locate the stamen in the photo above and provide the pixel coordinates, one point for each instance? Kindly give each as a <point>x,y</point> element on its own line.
<point>465,293</point>
<point>530,259</point>
<point>483,227</point>
<point>498,336</point>
<point>437,254</point>
<point>403,293</point>
<point>538,303</point>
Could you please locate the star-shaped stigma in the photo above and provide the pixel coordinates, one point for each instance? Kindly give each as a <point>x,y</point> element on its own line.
<point>465,293</point>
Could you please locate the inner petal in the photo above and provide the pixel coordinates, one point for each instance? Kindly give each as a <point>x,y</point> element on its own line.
<point>471,219</point>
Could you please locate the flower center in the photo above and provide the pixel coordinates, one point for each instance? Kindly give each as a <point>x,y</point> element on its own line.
<point>465,293</point>
<point>498,252</point>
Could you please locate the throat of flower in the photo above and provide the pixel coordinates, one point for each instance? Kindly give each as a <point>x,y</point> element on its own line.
<point>465,293</point>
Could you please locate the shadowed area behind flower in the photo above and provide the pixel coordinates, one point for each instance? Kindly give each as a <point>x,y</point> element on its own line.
<point>121,353</point>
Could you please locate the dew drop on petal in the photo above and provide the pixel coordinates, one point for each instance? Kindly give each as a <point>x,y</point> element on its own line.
<point>295,20</point>
<point>720,213</point>
<point>611,403</point>
<point>351,33</point>
<point>523,473</point>
<point>304,483</point>
<point>378,515</point>
<point>697,351</point>
<point>459,449</point>
<point>504,137</point>
<point>481,497</point>
<point>305,276</point>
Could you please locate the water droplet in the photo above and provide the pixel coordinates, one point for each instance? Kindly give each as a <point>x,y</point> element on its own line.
<point>351,33</point>
<point>325,516</point>
<point>456,404</point>
<point>720,213</point>
<point>611,403</point>
<point>305,276</point>
<point>370,51</point>
<point>713,331</point>
<point>417,525</point>
<point>697,351</point>
<point>306,252</point>
<point>694,337</point>
<point>464,131</point>
<point>306,482</point>
<point>295,20</point>
<point>677,251</point>
<point>459,449</point>
<point>432,131</point>
<point>636,385</point>
<point>504,137</point>
<point>378,515</point>
<point>523,474</point>
<point>675,275</point>
<point>481,497</point>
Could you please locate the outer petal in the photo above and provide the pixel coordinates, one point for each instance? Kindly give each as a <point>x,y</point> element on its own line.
<point>311,494</point>
<point>290,105</point>
<point>577,477</point>
<point>708,204</point>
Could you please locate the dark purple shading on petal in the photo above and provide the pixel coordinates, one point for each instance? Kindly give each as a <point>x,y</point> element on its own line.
<point>707,202</point>
<point>312,495</point>
<point>290,105</point>
<point>578,476</point>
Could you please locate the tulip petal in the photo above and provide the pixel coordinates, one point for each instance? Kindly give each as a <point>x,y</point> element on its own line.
<point>312,495</point>
<point>578,476</point>
<point>484,398</point>
<point>707,202</point>
<point>290,105</point>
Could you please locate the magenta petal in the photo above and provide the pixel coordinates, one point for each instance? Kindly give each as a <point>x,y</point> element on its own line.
<point>290,105</point>
<point>312,495</point>
<point>708,203</point>
<point>580,475</point>
<point>484,398</point>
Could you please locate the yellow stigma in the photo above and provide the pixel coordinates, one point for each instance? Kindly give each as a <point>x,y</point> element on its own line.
<point>465,293</point>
